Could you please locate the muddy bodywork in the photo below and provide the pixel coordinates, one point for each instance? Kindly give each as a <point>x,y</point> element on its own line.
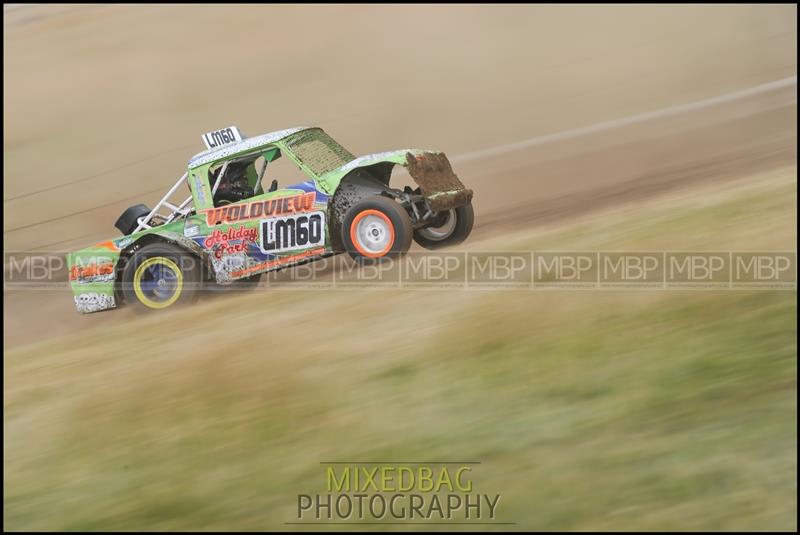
<point>430,170</point>
<point>439,187</point>
<point>253,236</point>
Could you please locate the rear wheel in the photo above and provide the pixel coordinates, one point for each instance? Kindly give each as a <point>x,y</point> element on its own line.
<point>129,219</point>
<point>376,227</point>
<point>450,228</point>
<point>160,275</point>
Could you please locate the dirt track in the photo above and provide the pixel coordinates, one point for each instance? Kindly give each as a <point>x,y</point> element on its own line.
<point>530,188</point>
<point>82,87</point>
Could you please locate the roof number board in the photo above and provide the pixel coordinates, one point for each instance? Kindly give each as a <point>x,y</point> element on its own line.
<point>221,137</point>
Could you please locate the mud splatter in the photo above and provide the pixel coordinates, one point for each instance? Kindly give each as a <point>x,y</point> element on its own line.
<point>438,182</point>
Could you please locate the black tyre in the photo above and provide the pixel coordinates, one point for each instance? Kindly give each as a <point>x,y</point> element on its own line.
<point>160,275</point>
<point>128,221</point>
<point>376,227</point>
<point>451,228</point>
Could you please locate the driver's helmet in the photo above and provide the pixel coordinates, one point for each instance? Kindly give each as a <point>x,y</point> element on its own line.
<point>234,186</point>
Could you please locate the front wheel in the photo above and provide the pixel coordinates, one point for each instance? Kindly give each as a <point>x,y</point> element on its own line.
<point>450,228</point>
<point>160,275</point>
<point>376,227</point>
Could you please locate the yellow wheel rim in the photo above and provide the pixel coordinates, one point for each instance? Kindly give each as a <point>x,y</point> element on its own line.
<point>154,278</point>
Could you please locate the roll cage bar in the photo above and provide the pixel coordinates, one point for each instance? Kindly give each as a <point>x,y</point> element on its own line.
<point>182,210</point>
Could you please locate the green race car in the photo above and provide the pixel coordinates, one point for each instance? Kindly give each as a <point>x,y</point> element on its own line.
<point>231,228</point>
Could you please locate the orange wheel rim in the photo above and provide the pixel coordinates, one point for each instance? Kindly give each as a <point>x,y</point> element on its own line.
<point>372,233</point>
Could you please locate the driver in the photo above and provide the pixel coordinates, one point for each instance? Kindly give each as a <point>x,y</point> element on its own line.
<point>234,186</point>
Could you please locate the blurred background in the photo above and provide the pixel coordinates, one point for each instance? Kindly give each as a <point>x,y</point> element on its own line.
<point>588,410</point>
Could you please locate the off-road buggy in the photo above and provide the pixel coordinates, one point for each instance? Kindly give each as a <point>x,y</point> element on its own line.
<point>231,228</point>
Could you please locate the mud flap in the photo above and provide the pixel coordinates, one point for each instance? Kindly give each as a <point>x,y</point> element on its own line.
<point>439,184</point>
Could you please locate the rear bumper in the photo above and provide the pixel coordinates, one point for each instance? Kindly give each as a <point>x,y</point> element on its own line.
<point>439,184</point>
<point>446,200</point>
